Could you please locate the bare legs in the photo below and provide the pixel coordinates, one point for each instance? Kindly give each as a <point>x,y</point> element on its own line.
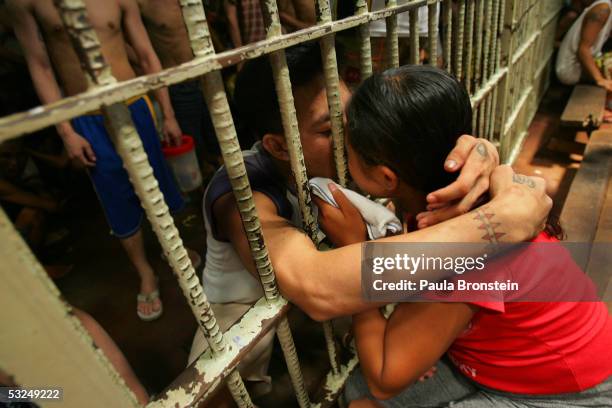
<point>114,355</point>
<point>134,246</point>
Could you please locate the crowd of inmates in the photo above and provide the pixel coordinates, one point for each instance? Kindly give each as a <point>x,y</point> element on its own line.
<point>41,174</point>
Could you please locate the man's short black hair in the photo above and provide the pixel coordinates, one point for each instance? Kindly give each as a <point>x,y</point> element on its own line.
<point>255,93</point>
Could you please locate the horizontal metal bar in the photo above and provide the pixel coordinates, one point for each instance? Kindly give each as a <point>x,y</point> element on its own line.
<point>334,384</point>
<point>488,87</point>
<point>199,381</point>
<point>552,16</point>
<point>67,108</point>
<point>516,149</point>
<point>525,46</point>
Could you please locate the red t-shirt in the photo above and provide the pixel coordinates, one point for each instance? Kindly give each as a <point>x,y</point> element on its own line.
<point>537,347</point>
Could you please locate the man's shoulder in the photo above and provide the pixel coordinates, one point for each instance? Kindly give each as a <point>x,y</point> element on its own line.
<point>263,179</point>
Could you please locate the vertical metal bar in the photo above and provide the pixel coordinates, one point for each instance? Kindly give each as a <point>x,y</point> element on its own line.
<point>413,15</point>
<point>432,32</point>
<point>479,35</point>
<point>129,146</point>
<point>328,56</point>
<point>492,69</point>
<point>486,46</point>
<point>40,334</point>
<point>469,35</point>
<point>458,25</point>
<point>332,84</point>
<point>283,331</point>
<point>296,155</point>
<point>448,34</point>
<point>216,99</point>
<point>504,95</point>
<point>498,33</point>
<point>391,40</point>
<point>485,66</point>
<point>365,48</point>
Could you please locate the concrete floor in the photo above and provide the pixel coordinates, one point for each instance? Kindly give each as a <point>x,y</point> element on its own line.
<point>104,284</point>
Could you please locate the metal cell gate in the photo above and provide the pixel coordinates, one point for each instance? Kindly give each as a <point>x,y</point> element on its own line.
<point>500,49</point>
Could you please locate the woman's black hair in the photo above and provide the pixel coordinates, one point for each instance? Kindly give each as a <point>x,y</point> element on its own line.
<point>409,119</point>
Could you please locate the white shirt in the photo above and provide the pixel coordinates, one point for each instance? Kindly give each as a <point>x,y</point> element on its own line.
<point>568,67</point>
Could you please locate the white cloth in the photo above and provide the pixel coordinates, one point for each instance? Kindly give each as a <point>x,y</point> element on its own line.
<point>380,221</point>
<point>568,67</point>
<point>378,28</point>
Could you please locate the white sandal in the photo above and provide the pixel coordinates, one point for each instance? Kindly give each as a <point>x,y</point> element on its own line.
<point>149,298</point>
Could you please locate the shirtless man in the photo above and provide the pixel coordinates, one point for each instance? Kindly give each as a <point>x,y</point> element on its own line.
<point>56,71</point>
<point>163,20</point>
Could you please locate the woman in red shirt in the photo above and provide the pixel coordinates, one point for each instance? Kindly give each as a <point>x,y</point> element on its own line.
<point>401,126</point>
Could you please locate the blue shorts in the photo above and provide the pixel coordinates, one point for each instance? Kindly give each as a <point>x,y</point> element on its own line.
<point>119,201</point>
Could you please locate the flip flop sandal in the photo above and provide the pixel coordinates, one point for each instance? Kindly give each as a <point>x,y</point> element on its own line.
<point>150,298</point>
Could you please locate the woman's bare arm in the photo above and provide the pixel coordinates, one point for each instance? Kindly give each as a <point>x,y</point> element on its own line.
<point>395,353</point>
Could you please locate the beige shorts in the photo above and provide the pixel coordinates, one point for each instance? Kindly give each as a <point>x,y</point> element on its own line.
<point>254,367</point>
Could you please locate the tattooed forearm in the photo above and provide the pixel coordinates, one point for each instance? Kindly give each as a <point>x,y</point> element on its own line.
<point>484,216</point>
<point>520,179</point>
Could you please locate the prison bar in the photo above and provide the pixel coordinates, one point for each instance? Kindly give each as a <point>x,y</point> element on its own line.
<point>365,47</point>
<point>332,85</point>
<point>432,31</point>
<point>469,36</point>
<point>391,39</point>
<point>521,29</point>
<point>459,25</point>
<point>294,147</point>
<point>448,34</point>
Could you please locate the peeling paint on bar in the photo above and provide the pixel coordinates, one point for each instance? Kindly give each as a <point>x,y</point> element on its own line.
<point>207,373</point>
<point>332,84</point>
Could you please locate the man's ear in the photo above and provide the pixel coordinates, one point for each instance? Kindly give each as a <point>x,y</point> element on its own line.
<point>275,145</point>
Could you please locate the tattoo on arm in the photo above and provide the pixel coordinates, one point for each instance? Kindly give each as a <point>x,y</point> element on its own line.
<point>598,16</point>
<point>520,179</point>
<point>484,216</point>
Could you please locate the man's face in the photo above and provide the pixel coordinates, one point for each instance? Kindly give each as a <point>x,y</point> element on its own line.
<point>315,126</point>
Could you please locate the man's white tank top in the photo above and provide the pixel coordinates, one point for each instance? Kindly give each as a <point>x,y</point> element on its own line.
<point>568,67</point>
<point>225,279</point>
